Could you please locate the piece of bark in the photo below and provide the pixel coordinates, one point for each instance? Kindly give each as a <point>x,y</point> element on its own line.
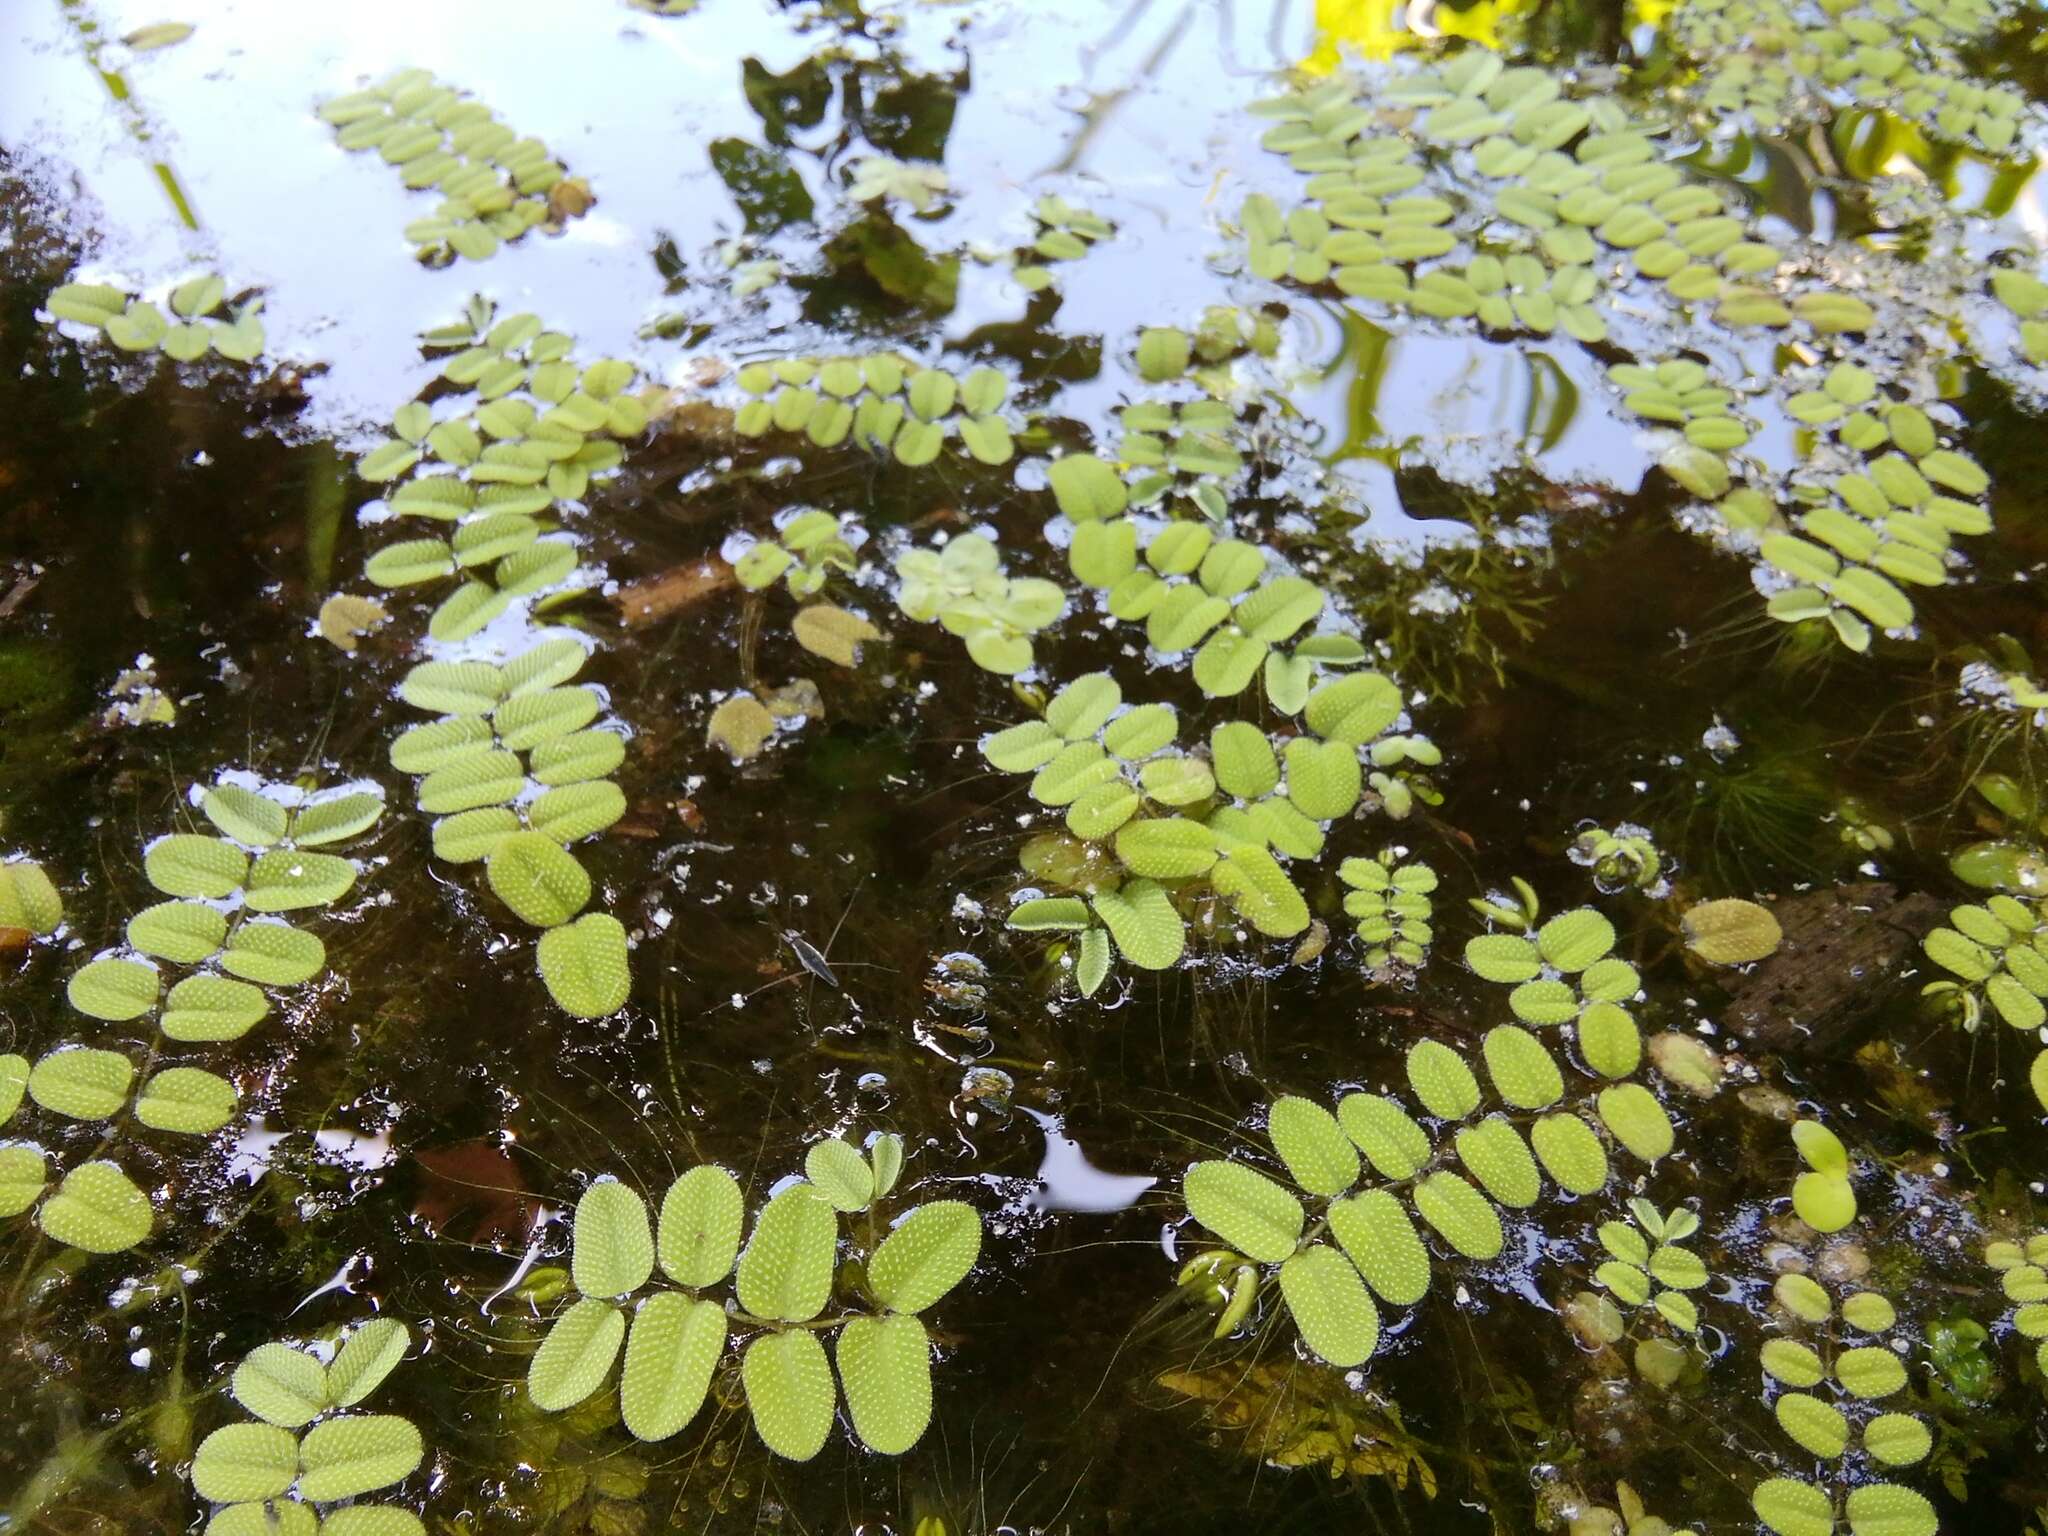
<point>1843,949</point>
<point>663,596</point>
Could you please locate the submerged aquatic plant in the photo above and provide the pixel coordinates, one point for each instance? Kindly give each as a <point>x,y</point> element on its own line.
<point>219,927</point>
<point>785,1280</point>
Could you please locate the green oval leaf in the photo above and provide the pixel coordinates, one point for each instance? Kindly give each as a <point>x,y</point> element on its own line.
<point>1246,1209</point>
<point>674,1346</point>
<point>584,962</point>
<point>699,1230</point>
<point>281,1385</point>
<point>789,1391</point>
<point>885,1367</point>
<point>541,883</point>
<point>98,1209</point>
<point>358,1454</point>
<point>577,1354</point>
<point>927,1253</point>
<point>245,1462</point>
<point>786,1270</point>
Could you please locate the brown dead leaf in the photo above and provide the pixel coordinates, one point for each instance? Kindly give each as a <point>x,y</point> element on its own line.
<point>473,1192</point>
<point>666,594</point>
<point>344,617</point>
<point>569,198</point>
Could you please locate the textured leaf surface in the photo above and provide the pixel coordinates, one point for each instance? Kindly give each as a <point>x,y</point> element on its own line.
<point>186,932</point>
<point>1441,1080</point>
<point>82,1083</point>
<point>274,954</point>
<point>575,1357</point>
<point>288,880</point>
<point>1246,1209</point>
<point>1141,919</point>
<point>1792,1508</point>
<point>356,1454</point>
<point>585,965</point>
<point>1499,1159</point>
<point>1330,1305</point>
<point>1461,1215</point>
<point>673,1348</point>
<point>113,989</point>
<point>789,1390</point>
<point>928,1253</point>
<point>24,1174</point>
<point>1317,1153</point>
<point>613,1248</point>
<point>186,1101</point>
<point>1386,1133</point>
<point>1523,1072</point>
<point>245,1461</point>
<point>786,1271</point>
<point>207,1007</point>
<point>370,1353</point>
<point>281,1385</point>
<point>1381,1240</point>
<point>533,876</point>
<point>840,1174</point>
<point>1886,1509</point>
<point>885,1368</point>
<point>699,1231</point>
<point>98,1209</point>
<point>1570,1153</point>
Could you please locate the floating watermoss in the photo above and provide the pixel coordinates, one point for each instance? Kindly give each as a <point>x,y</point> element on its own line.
<point>1997,951</point>
<point>882,178</point>
<point>1065,232</point>
<point>1352,1168</point>
<point>1647,1267</point>
<point>519,765</point>
<point>494,185</point>
<point>1157,831</point>
<point>1781,64</point>
<point>1391,901</point>
<point>963,587</point>
<point>197,322</point>
<point>879,402</point>
<point>789,1288</point>
<point>29,900</point>
<point>1823,1197</point>
<point>265,1475</point>
<point>514,770</point>
<point>1624,857</point>
<point>1842,1351</point>
<point>806,549</point>
<point>216,934</point>
<point>2024,1280</point>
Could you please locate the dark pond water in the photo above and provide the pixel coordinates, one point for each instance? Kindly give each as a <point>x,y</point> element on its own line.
<point>817,932</point>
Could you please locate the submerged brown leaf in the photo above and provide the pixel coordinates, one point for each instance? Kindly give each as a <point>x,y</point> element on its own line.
<point>827,630</point>
<point>344,617</point>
